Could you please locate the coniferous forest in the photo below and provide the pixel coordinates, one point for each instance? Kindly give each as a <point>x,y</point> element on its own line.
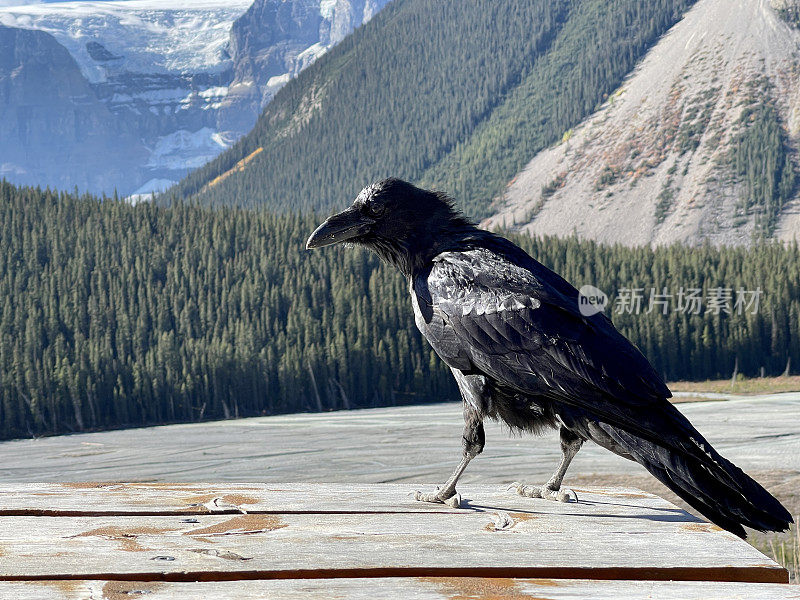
<point>115,315</point>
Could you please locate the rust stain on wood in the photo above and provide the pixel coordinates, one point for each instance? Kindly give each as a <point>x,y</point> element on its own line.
<point>125,590</point>
<point>702,527</point>
<point>544,582</point>
<point>68,587</point>
<point>126,536</point>
<point>523,516</point>
<point>241,524</point>
<point>516,517</point>
<point>478,588</point>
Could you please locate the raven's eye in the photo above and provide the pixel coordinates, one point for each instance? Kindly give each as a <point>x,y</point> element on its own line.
<point>374,209</point>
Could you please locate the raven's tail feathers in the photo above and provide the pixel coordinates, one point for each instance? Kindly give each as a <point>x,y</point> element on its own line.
<point>708,482</point>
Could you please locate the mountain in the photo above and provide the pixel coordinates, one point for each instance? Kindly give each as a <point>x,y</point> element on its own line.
<point>145,92</point>
<point>698,143</point>
<point>275,40</point>
<point>457,95</point>
<point>44,97</point>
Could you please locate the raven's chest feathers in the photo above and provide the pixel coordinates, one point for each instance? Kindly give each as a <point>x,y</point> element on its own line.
<point>435,327</point>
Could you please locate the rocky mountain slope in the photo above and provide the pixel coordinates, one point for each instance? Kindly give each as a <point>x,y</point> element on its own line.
<point>273,41</point>
<point>132,94</point>
<point>699,143</point>
<point>449,94</point>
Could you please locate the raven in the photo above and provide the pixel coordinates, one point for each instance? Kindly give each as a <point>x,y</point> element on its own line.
<point>522,351</point>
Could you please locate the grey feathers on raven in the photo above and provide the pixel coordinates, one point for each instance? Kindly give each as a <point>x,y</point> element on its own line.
<point>521,351</point>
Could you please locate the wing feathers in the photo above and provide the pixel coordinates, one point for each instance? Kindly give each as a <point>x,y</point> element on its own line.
<point>534,339</point>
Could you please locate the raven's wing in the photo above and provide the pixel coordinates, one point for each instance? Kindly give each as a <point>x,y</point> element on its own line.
<point>519,323</point>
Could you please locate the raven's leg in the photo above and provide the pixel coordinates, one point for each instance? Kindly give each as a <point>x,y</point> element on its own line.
<point>570,444</point>
<point>473,440</point>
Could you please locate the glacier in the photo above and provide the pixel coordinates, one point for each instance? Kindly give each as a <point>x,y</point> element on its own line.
<point>156,89</point>
<point>141,36</point>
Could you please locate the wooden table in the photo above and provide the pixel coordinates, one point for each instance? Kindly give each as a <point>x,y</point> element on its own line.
<point>333,540</point>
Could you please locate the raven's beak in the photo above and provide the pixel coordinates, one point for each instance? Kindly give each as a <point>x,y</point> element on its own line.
<point>338,228</point>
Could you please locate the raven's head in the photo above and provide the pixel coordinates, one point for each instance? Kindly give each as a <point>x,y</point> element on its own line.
<point>403,224</point>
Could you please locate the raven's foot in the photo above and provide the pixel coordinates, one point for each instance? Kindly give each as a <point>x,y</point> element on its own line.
<point>453,499</point>
<point>544,491</point>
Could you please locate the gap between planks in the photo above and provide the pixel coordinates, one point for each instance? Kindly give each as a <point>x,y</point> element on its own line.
<point>712,574</point>
<point>38,512</point>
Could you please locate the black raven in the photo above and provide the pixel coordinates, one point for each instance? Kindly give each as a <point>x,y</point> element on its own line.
<point>512,332</point>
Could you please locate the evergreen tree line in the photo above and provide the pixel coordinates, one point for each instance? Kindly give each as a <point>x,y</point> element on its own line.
<point>114,315</point>
<point>462,110</point>
<point>761,160</point>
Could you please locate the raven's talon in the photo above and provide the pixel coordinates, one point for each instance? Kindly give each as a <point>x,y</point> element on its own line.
<point>454,501</point>
<point>436,497</point>
<point>544,492</point>
<point>528,491</point>
<point>420,497</point>
<point>568,495</point>
<point>559,495</point>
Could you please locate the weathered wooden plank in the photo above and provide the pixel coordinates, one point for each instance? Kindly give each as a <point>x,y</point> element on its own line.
<point>602,540</point>
<point>198,498</point>
<point>432,588</point>
<point>404,443</point>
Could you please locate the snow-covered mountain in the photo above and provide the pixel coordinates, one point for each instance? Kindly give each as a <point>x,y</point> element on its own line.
<point>275,40</point>
<point>131,94</point>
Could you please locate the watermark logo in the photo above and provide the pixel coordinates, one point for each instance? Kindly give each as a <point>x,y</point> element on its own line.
<point>591,300</point>
<point>688,300</point>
